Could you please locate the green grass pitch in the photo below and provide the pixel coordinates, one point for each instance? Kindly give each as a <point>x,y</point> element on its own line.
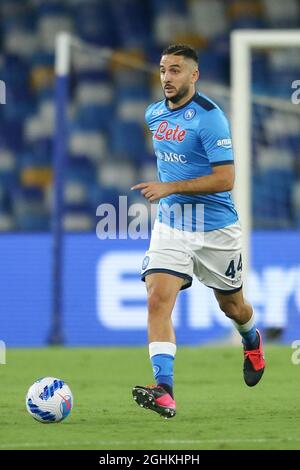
<point>215,410</point>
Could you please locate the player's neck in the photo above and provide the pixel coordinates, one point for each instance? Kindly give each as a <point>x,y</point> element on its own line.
<point>181,102</point>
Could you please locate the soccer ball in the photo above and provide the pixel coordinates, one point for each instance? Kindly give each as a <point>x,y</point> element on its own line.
<point>49,400</point>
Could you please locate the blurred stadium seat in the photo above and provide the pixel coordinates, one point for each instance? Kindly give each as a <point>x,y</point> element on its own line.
<point>107,103</point>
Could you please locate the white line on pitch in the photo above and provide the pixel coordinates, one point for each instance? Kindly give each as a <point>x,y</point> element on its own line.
<point>161,442</point>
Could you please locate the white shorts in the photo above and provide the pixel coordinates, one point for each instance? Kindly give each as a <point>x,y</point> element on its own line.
<point>214,257</point>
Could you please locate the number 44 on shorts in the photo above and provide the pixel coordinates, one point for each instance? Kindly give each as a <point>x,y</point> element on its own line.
<point>231,271</point>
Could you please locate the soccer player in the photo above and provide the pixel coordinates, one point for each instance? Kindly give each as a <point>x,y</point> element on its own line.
<point>197,230</point>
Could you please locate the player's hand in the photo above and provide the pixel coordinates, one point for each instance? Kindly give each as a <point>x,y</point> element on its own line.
<point>154,190</point>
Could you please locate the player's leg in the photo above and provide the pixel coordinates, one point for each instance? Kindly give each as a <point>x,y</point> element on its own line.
<point>162,290</point>
<point>218,264</point>
<point>241,313</point>
<point>166,269</point>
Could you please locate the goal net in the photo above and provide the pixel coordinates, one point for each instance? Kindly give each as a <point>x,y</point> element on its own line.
<point>262,150</point>
<point>275,150</point>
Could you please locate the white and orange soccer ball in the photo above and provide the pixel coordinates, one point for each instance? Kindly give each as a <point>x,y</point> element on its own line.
<point>49,400</point>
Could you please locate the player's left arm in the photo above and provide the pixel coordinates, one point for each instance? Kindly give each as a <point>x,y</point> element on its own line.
<point>216,140</point>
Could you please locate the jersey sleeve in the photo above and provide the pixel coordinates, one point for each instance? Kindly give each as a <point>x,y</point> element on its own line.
<point>216,139</point>
<point>148,114</point>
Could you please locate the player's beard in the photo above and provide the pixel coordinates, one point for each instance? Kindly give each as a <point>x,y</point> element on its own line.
<point>182,92</point>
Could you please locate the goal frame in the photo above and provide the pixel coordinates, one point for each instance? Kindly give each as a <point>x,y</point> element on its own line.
<point>241,45</point>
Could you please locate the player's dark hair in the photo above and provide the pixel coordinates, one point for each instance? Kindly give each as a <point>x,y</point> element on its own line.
<point>181,49</point>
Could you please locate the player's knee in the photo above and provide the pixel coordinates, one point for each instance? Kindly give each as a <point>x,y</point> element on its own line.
<point>157,300</point>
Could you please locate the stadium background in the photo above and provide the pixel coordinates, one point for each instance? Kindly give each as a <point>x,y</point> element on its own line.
<point>109,150</point>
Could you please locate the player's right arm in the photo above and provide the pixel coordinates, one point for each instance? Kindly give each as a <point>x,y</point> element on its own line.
<point>221,179</point>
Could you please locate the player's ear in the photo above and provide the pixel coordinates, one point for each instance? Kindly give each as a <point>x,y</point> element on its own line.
<point>195,75</point>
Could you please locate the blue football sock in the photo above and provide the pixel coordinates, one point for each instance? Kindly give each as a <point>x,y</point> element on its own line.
<point>162,365</point>
<point>250,338</point>
<point>248,332</point>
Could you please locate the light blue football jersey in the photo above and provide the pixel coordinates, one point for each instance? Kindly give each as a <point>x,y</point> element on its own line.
<point>188,141</point>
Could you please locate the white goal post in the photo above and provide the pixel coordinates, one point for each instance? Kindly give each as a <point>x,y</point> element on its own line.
<point>242,42</point>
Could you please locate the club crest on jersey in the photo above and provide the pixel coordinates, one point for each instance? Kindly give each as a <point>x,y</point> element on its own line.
<point>189,114</point>
<point>166,132</point>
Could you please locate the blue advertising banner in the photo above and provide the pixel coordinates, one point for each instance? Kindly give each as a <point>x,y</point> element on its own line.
<point>104,301</point>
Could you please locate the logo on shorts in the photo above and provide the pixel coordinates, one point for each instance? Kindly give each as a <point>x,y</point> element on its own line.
<point>145,262</point>
<point>189,114</point>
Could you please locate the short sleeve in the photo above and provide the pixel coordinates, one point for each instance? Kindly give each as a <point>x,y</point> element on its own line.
<point>148,114</point>
<point>216,139</point>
